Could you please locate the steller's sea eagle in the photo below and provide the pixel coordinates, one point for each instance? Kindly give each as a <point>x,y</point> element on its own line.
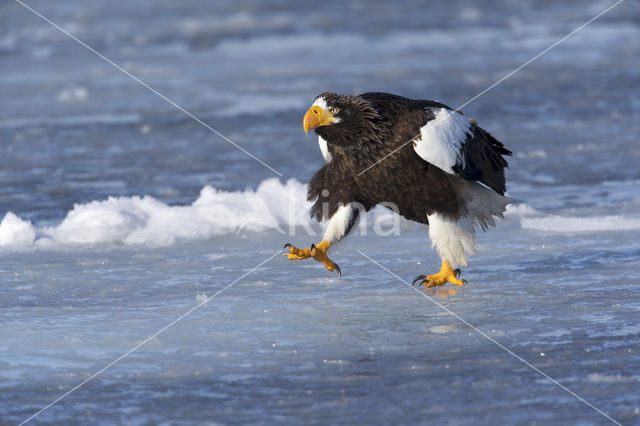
<point>450,177</point>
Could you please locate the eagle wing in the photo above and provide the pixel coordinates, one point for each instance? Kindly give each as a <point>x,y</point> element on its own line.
<point>457,145</point>
<point>447,139</point>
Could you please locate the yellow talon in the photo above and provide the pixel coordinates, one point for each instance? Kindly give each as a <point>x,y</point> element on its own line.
<point>446,275</point>
<point>316,251</point>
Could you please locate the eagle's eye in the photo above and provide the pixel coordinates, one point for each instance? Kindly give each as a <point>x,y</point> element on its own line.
<point>334,110</point>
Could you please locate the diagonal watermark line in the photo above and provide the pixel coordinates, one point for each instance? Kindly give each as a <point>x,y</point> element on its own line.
<point>502,79</point>
<point>500,345</point>
<point>163,329</point>
<point>137,80</point>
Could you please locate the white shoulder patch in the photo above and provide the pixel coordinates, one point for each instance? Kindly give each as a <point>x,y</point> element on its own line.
<point>441,139</point>
<point>325,149</point>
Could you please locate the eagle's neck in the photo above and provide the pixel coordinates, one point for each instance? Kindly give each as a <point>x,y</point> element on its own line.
<point>362,144</point>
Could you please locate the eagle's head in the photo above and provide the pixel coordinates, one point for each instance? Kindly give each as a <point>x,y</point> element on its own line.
<point>342,119</point>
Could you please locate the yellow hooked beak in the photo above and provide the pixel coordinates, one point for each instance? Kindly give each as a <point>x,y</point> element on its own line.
<point>316,117</point>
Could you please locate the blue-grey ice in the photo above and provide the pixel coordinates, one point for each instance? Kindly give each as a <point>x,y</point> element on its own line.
<point>119,213</point>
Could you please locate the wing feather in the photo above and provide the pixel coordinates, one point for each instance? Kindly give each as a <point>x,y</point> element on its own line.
<point>456,145</point>
<point>442,138</point>
<point>448,139</point>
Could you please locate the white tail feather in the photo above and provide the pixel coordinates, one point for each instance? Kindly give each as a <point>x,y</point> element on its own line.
<point>483,204</point>
<point>455,239</point>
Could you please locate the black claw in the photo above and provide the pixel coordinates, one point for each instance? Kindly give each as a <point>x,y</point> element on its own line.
<point>464,282</point>
<point>312,249</point>
<point>457,272</point>
<point>421,278</point>
<point>339,272</point>
<point>287,246</point>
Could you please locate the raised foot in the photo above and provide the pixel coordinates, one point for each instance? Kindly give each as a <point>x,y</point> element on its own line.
<point>446,275</point>
<point>317,252</point>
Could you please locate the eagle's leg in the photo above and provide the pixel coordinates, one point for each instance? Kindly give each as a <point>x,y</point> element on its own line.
<point>446,275</point>
<point>316,251</point>
<point>453,239</point>
<point>340,224</point>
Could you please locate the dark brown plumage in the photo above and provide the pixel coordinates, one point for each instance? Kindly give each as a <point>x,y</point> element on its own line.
<point>372,126</point>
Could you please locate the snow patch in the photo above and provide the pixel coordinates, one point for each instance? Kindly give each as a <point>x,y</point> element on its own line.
<point>16,232</point>
<point>567,224</point>
<point>521,209</point>
<point>607,379</point>
<point>201,299</point>
<point>73,94</point>
<point>147,221</point>
<point>441,329</point>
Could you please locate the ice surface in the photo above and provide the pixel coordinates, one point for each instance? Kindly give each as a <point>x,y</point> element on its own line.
<point>555,223</point>
<point>119,214</point>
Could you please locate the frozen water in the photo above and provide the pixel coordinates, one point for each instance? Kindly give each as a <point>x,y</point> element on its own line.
<point>581,224</point>
<point>118,214</point>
